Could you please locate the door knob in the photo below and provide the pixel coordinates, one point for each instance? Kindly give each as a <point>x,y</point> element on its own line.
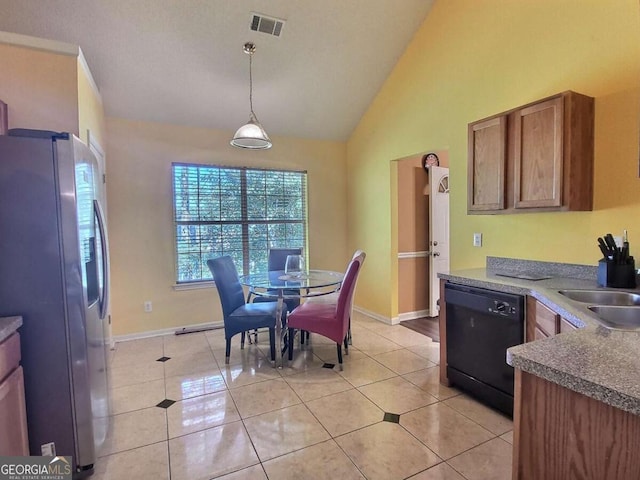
<point>435,243</point>
<point>436,254</point>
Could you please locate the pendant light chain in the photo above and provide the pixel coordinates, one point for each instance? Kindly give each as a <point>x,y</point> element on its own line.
<point>252,134</point>
<point>251,85</point>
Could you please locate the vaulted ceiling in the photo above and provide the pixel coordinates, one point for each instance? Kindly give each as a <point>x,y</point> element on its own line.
<point>181,62</point>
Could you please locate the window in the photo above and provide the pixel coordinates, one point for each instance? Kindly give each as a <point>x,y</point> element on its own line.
<point>241,212</point>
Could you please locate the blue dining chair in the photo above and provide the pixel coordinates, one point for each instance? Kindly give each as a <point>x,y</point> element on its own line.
<point>239,316</point>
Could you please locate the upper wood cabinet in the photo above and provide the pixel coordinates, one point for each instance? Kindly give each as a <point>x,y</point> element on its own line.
<point>538,157</point>
<point>487,164</point>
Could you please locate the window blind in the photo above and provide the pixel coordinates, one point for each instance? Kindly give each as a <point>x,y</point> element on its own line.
<point>241,212</point>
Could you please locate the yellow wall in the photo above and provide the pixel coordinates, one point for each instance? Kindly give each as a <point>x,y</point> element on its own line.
<point>41,88</point>
<point>471,59</point>
<point>90,109</point>
<point>140,214</point>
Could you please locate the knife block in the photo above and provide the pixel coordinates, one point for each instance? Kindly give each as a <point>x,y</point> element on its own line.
<point>615,275</point>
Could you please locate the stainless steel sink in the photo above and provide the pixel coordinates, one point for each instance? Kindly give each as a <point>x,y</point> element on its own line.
<point>603,297</point>
<point>618,318</point>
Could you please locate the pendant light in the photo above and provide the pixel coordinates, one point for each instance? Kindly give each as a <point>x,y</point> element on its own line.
<point>251,135</point>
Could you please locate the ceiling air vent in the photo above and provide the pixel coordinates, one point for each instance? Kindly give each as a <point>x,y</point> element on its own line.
<point>269,25</point>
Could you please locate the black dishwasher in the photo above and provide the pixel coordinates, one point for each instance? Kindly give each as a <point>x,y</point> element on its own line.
<point>481,325</point>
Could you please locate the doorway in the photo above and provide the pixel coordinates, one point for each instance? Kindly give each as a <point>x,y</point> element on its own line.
<point>422,233</point>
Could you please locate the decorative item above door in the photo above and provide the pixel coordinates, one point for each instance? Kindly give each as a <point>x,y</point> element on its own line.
<point>430,160</point>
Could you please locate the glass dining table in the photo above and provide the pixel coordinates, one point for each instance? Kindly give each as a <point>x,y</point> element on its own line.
<point>312,283</point>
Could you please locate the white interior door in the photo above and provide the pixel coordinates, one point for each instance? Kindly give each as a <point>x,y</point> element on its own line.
<point>438,232</point>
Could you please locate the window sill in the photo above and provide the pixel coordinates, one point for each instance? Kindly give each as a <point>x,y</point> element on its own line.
<point>178,287</point>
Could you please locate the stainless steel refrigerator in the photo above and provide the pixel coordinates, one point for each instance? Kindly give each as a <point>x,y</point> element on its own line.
<point>53,272</point>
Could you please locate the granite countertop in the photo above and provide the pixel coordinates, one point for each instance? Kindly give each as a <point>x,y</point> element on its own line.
<point>600,363</point>
<point>8,325</point>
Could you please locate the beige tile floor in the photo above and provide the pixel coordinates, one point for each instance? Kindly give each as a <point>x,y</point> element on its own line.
<point>249,420</point>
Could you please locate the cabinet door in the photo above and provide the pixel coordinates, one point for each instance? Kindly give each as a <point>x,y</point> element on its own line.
<point>565,326</point>
<point>541,321</point>
<point>4,121</point>
<point>547,320</point>
<point>539,334</point>
<point>13,417</point>
<point>538,155</point>
<point>487,156</point>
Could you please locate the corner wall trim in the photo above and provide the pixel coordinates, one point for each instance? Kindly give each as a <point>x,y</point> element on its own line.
<point>87,71</point>
<point>39,44</point>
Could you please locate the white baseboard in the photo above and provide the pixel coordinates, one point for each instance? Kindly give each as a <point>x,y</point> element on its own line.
<point>164,331</point>
<point>376,316</point>
<point>413,315</point>
<point>172,330</point>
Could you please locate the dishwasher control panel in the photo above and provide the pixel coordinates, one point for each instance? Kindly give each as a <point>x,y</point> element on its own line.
<point>491,302</point>
<point>502,308</point>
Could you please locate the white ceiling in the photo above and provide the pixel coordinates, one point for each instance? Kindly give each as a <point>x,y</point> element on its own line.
<point>181,61</point>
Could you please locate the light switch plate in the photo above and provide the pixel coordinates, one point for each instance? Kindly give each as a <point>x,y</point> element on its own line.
<point>477,239</point>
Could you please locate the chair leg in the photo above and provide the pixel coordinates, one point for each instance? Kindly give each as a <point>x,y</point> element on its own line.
<point>349,332</point>
<point>227,352</point>
<point>242,340</point>
<point>346,344</point>
<point>301,337</point>
<point>290,335</point>
<point>272,344</point>
<point>339,345</point>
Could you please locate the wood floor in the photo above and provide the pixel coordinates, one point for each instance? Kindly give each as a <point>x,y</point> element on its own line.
<point>426,326</point>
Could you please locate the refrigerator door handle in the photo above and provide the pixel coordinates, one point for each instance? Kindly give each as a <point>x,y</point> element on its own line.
<point>104,304</point>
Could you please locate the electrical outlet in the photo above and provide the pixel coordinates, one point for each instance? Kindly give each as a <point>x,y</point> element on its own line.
<point>48,449</point>
<point>477,239</point>
<point>148,306</point>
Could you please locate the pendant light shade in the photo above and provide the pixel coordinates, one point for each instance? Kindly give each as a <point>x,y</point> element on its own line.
<point>251,135</point>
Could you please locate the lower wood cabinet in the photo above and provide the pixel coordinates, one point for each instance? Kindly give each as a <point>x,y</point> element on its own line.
<point>560,434</point>
<point>542,322</point>
<point>4,120</point>
<point>13,416</point>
